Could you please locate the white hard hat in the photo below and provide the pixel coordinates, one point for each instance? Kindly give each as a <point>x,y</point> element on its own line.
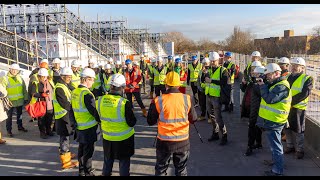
<point>214,56</point>
<point>256,53</point>
<point>56,60</point>
<point>66,71</point>
<point>44,60</point>
<point>205,60</point>
<point>259,69</point>
<point>75,63</point>
<point>272,67</point>
<point>107,66</point>
<point>91,61</point>
<point>118,80</point>
<point>284,60</point>
<point>15,66</point>
<point>95,65</point>
<point>142,55</point>
<point>256,63</point>
<point>298,60</point>
<point>100,64</point>
<point>88,72</point>
<point>159,58</point>
<point>118,62</point>
<point>153,60</point>
<point>110,59</point>
<point>43,72</point>
<point>136,63</point>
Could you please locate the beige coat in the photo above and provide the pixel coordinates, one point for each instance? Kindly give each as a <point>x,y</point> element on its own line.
<point>3,93</point>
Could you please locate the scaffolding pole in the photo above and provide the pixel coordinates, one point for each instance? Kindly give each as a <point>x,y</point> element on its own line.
<point>16,44</point>
<point>45,31</point>
<point>4,17</point>
<point>79,58</point>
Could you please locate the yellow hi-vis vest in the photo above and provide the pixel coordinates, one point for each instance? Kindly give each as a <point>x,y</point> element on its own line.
<point>194,72</point>
<point>232,76</point>
<point>111,109</point>
<point>214,89</point>
<point>59,112</point>
<point>151,70</point>
<point>14,88</point>
<point>279,111</point>
<point>83,118</point>
<point>183,83</point>
<point>97,82</point>
<point>107,81</point>
<point>296,88</point>
<point>159,77</point>
<point>75,80</point>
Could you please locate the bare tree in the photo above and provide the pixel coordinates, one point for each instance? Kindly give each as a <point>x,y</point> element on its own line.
<point>240,41</point>
<point>316,31</point>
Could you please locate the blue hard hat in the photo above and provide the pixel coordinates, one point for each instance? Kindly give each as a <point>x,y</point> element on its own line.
<point>194,58</point>
<point>177,60</point>
<point>170,57</point>
<point>128,61</point>
<point>229,54</point>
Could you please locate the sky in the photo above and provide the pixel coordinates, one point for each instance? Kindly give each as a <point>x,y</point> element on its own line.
<point>212,21</point>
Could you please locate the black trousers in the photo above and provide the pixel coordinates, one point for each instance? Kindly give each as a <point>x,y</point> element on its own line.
<point>180,160</point>
<point>231,102</point>
<point>9,120</point>
<point>137,95</point>
<point>124,166</point>
<point>159,88</point>
<point>202,103</point>
<point>85,153</point>
<point>194,91</point>
<point>151,85</point>
<point>45,122</point>
<point>254,133</point>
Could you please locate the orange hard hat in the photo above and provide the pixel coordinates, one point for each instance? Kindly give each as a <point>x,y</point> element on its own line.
<point>44,65</point>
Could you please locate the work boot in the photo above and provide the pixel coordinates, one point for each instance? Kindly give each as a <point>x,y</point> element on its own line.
<point>224,139</point>
<point>22,129</point>
<point>214,137</point>
<point>299,154</point>
<point>144,111</point>
<point>151,95</point>
<point>289,150</point>
<point>43,135</point>
<point>91,173</point>
<point>248,152</point>
<point>10,134</point>
<point>66,161</point>
<point>271,173</point>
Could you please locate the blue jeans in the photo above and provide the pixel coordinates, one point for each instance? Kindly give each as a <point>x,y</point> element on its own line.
<point>124,167</point>
<point>273,131</point>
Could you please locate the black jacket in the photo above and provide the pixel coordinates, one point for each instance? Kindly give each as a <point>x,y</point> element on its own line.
<point>170,146</point>
<point>56,76</point>
<point>121,149</point>
<point>247,89</point>
<point>255,102</point>
<point>232,70</point>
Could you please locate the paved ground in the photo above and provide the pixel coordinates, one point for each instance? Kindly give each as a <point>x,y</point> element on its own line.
<point>26,154</point>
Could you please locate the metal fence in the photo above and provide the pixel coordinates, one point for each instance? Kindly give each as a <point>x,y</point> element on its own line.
<point>312,69</point>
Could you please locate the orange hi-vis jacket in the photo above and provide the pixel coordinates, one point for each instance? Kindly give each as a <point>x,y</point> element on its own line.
<point>173,124</point>
<point>133,79</point>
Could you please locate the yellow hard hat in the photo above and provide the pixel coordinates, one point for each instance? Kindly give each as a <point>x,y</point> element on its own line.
<point>172,79</point>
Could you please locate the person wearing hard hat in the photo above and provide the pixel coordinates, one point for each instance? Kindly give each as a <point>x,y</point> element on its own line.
<point>159,74</point>
<point>33,76</point>
<point>172,111</point>
<point>255,56</point>
<point>75,78</point>
<point>273,113</point>
<point>254,132</point>
<point>118,68</point>
<point>17,94</point>
<point>107,76</point>
<point>193,72</point>
<point>231,67</point>
<point>62,114</point>
<point>133,77</point>
<point>54,73</point>
<point>91,63</point>
<point>183,75</point>
<point>217,78</point>
<point>201,85</point>
<point>151,67</point>
<point>246,87</point>
<point>42,90</point>
<point>98,86</point>
<point>284,64</point>
<point>117,125</point>
<point>86,121</point>
<point>143,69</point>
<point>136,64</point>
<point>301,87</point>
<point>170,63</point>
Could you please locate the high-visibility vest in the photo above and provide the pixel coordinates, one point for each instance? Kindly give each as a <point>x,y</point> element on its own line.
<point>279,111</point>
<point>194,72</point>
<point>150,70</point>
<point>59,112</point>
<point>14,88</point>
<point>183,83</point>
<point>119,70</point>
<point>296,88</point>
<point>75,80</point>
<point>83,118</point>
<point>111,109</point>
<point>97,82</point>
<point>173,124</point>
<point>127,75</point>
<point>107,81</point>
<point>34,99</point>
<point>214,89</point>
<point>232,76</point>
<point>247,75</point>
<point>159,77</point>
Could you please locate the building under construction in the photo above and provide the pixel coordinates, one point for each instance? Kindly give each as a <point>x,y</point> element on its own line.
<point>58,32</point>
